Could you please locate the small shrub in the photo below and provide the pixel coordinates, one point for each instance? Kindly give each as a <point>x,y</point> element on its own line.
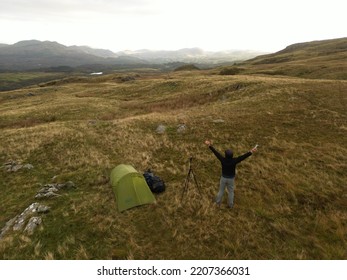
<point>231,71</point>
<point>188,67</point>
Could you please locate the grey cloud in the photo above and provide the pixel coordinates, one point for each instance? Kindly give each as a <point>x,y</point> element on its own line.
<point>29,9</point>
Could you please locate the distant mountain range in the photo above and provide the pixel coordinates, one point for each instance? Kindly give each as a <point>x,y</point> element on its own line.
<point>34,54</point>
<point>301,59</point>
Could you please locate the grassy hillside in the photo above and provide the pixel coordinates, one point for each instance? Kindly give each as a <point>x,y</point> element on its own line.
<point>10,81</point>
<point>290,197</point>
<point>318,60</point>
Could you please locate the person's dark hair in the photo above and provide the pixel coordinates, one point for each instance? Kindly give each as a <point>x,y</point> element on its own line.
<point>228,153</point>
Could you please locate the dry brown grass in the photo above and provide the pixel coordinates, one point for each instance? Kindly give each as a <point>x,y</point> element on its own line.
<point>290,197</point>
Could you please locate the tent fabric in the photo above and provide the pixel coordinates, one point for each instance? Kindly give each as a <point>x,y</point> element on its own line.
<point>130,187</point>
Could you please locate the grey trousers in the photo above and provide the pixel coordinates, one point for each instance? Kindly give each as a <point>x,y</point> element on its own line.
<point>228,183</point>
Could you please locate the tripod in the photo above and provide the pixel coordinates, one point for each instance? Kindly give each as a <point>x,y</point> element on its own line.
<point>189,175</point>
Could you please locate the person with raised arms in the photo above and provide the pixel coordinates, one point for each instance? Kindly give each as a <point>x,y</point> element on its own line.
<point>227,179</point>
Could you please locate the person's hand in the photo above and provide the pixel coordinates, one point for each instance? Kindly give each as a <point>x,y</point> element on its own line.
<point>254,150</point>
<point>208,143</point>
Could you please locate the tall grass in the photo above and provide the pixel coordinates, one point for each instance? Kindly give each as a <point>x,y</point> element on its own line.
<point>289,197</point>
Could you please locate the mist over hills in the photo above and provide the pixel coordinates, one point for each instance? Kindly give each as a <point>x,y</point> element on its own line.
<point>34,54</point>
<point>306,59</point>
<point>192,55</point>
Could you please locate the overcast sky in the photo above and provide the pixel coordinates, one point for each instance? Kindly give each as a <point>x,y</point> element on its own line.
<point>265,25</point>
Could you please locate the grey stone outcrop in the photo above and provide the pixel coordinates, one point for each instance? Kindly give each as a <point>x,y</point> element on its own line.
<point>13,166</point>
<point>31,217</point>
<point>181,128</point>
<point>161,129</point>
<point>51,190</point>
<point>21,221</point>
<point>33,223</point>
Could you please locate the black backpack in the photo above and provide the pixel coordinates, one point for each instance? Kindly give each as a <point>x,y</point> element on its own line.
<point>155,184</point>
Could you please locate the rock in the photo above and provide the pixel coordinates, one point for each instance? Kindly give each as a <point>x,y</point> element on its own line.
<point>181,128</point>
<point>48,194</point>
<point>32,224</point>
<point>28,166</point>
<point>7,227</point>
<point>33,208</point>
<point>60,186</point>
<point>13,166</point>
<point>161,129</point>
<point>18,222</point>
<point>42,209</point>
<point>70,185</point>
<point>50,190</point>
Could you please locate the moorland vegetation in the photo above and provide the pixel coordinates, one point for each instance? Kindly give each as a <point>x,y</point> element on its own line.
<point>290,197</point>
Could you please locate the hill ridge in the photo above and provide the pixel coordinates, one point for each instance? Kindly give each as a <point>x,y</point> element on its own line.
<point>35,54</point>
<point>325,59</point>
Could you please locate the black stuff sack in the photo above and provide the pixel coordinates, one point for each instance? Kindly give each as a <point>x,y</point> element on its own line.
<point>155,183</point>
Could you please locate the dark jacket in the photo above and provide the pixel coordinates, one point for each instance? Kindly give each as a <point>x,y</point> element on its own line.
<point>229,162</point>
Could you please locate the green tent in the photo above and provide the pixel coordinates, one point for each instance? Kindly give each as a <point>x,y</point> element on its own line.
<point>130,187</point>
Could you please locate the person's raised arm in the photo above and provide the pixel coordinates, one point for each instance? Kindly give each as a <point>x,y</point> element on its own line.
<point>254,149</point>
<point>216,153</point>
<point>246,155</point>
<point>208,142</point>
